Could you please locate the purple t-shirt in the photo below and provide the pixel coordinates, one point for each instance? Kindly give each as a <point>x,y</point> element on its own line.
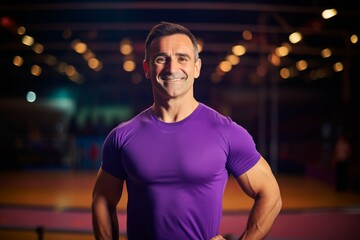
<point>176,173</point>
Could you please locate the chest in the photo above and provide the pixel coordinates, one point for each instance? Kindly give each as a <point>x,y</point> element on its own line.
<point>179,156</point>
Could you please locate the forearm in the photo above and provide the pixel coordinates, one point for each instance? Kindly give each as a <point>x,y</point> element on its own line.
<point>105,222</point>
<point>262,217</point>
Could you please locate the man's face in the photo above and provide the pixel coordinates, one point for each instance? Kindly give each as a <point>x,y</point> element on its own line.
<point>172,67</point>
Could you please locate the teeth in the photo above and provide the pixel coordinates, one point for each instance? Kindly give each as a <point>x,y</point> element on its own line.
<point>172,77</point>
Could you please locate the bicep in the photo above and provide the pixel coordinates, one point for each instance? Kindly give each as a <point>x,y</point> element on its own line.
<point>108,187</point>
<point>259,180</point>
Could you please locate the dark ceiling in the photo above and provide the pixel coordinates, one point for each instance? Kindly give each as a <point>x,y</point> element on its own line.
<point>219,24</point>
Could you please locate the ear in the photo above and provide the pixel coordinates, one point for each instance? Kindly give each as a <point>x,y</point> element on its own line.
<point>197,68</point>
<point>146,69</point>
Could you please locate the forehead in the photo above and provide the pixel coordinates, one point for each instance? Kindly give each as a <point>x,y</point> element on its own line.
<point>177,43</point>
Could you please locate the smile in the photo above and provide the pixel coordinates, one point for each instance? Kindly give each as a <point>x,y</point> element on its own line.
<point>173,77</point>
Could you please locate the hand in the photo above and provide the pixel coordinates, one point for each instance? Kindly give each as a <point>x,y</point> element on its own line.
<point>218,237</point>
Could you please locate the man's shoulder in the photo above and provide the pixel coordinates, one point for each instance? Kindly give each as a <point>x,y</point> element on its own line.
<point>214,115</point>
<point>132,123</point>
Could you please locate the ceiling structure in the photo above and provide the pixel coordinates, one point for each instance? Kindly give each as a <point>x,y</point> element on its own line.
<point>220,25</point>
<point>102,25</point>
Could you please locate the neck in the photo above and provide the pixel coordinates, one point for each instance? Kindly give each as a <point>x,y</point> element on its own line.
<point>173,111</point>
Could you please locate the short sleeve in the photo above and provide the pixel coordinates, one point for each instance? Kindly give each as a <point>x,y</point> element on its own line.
<point>111,155</point>
<point>243,154</point>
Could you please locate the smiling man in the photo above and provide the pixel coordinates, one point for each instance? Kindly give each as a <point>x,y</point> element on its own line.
<point>176,156</point>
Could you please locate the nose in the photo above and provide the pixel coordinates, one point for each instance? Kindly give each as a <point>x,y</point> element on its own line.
<point>171,65</point>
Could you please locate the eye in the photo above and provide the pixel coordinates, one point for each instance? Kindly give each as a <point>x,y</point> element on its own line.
<point>160,59</point>
<point>182,59</point>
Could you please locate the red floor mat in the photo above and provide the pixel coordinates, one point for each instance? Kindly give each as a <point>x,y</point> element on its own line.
<point>312,224</point>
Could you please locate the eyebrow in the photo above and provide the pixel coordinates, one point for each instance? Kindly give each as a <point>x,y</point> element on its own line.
<point>162,54</point>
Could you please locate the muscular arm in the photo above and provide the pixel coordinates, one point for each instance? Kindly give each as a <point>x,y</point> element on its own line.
<point>260,184</point>
<point>106,195</point>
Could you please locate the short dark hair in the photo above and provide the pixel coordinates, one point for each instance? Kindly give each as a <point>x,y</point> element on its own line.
<point>166,29</point>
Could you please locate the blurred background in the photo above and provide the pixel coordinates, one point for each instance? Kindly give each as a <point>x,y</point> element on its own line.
<point>287,71</point>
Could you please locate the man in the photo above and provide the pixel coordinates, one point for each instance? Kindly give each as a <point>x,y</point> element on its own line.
<point>176,156</point>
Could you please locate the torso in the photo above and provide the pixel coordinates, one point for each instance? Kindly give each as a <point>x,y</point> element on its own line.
<point>175,174</point>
